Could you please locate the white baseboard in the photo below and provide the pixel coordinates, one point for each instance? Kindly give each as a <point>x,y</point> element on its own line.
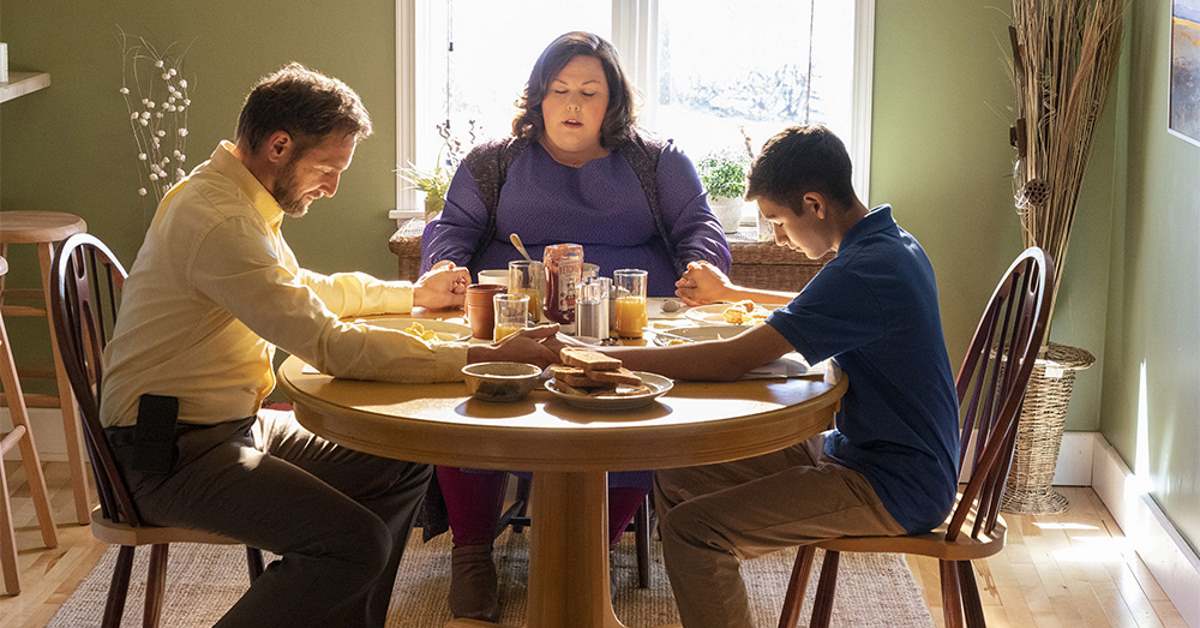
<point>47,427</point>
<point>1074,467</point>
<point>1170,559</point>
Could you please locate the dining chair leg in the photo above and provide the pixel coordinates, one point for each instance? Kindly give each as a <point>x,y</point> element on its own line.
<point>951,594</point>
<point>826,587</point>
<point>118,589</point>
<point>254,562</point>
<point>797,585</point>
<point>8,538</point>
<point>522,501</point>
<point>970,595</point>
<point>156,583</point>
<point>642,542</point>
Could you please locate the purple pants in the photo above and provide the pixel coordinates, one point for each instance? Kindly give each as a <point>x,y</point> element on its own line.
<point>474,499</point>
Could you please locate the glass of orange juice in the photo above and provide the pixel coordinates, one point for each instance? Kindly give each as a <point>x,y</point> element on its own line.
<point>630,312</point>
<point>529,277</point>
<point>512,313</point>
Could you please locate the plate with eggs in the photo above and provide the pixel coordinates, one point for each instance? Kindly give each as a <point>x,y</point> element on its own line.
<point>744,313</point>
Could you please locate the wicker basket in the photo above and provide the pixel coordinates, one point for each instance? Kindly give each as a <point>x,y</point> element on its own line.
<point>756,264</point>
<point>406,244</point>
<point>1040,430</point>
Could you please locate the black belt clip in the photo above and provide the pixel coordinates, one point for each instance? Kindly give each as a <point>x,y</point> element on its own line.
<point>154,448</point>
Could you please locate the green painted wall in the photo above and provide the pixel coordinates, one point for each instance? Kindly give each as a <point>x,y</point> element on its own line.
<point>69,148</point>
<point>1155,289</point>
<point>940,154</point>
<point>940,151</point>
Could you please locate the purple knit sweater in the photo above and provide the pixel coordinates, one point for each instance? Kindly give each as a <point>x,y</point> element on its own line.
<point>600,205</point>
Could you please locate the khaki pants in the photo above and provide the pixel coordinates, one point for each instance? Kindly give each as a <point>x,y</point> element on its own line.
<point>338,518</point>
<point>712,517</point>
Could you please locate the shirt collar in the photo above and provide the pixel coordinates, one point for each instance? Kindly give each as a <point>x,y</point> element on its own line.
<point>876,220</point>
<point>225,161</point>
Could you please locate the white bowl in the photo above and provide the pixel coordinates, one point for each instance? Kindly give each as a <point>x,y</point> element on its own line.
<point>500,381</point>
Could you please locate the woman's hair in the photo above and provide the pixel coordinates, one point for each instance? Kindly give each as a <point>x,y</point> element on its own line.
<point>798,160</point>
<point>305,103</point>
<point>619,116</point>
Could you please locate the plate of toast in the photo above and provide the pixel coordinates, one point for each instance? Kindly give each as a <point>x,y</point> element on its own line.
<point>593,380</point>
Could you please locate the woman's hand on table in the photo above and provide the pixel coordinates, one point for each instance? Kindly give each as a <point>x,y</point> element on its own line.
<point>535,345</point>
<point>702,283</point>
<point>443,286</point>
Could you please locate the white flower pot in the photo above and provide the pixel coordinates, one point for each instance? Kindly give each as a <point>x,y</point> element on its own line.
<point>728,211</point>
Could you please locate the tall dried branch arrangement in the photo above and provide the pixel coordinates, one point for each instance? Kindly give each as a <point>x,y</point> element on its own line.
<point>157,99</point>
<point>1064,55</point>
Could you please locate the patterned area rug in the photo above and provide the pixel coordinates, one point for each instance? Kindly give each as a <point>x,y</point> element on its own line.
<point>205,580</point>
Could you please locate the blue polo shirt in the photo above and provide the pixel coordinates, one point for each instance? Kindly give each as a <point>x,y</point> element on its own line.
<point>874,310</point>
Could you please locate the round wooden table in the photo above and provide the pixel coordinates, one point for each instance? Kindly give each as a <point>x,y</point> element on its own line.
<point>568,449</point>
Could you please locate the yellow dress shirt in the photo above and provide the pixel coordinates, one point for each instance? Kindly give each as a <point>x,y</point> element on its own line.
<point>215,288</point>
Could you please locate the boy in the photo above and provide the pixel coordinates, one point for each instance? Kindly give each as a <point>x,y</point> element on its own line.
<point>890,466</point>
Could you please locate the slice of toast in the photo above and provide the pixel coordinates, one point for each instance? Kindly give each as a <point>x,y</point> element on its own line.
<point>588,360</point>
<point>620,376</point>
<point>560,370</point>
<point>584,382</point>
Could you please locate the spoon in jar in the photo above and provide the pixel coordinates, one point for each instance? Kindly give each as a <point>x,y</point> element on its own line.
<point>516,241</point>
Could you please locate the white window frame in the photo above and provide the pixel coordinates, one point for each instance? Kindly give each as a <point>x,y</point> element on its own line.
<point>635,28</point>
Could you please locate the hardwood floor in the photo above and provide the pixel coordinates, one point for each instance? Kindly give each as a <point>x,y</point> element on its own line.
<point>1073,569</point>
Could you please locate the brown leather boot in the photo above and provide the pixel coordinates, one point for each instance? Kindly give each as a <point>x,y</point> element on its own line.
<point>473,593</point>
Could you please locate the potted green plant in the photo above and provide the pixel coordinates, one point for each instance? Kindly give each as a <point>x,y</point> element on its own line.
<point>724,178</point>
<point>434,183</point>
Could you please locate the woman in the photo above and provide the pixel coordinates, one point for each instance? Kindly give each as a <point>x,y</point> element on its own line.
<point>575,170</point>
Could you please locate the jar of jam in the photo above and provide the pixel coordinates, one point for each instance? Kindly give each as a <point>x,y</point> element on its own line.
<point>564,268</point>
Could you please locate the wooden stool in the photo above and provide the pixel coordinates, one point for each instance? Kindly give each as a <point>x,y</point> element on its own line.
<point>21,434</point>
<point>44,229</point>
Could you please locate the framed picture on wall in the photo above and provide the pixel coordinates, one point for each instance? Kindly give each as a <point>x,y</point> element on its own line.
<point>1184,116</point>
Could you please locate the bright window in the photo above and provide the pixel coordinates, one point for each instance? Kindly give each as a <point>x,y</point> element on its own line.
<point>706,70</point>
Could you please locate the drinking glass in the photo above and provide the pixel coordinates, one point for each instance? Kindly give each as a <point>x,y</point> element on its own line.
<point>512,314</point>
<point>528,277</point>
<point>630,311</point>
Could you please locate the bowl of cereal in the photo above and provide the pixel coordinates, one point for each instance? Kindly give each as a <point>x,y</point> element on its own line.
<point>501,381</point>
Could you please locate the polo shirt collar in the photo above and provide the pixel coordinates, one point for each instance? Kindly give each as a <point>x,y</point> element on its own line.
<point>876,220</point>
<point>225,161</point>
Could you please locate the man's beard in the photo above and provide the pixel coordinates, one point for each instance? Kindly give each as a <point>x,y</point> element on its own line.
<point>286,194</point>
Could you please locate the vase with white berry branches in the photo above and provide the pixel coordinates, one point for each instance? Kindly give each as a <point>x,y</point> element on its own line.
<point>157,99</point>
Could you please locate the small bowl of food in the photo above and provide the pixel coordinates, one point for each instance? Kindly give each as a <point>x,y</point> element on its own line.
<point>501,381</point>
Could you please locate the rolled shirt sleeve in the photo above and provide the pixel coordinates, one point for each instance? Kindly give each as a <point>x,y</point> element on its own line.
<point>238,267</point>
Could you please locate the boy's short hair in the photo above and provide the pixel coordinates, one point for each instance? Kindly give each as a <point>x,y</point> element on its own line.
<point>305,103</point>
<point>798,160</point>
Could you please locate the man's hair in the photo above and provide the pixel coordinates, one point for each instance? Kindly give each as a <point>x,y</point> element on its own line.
<point>798,160</point>
<point>306,104</point>
<point>619,117</point>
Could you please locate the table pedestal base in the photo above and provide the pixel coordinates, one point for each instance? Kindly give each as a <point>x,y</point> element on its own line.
<point>568,556</point>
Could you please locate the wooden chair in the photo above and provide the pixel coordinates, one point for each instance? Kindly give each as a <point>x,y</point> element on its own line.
<point>85,283</point>
<point>20,435</point>
<point>991,386</point>
<point>642,524</point>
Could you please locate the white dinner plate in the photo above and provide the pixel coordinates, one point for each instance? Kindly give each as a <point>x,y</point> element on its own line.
<point>714,314</point>
<point>657,384</point>
<point>697,334</point>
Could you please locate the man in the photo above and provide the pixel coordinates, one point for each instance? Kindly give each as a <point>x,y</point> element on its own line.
<point>215,288</point>
<point>890,466</point>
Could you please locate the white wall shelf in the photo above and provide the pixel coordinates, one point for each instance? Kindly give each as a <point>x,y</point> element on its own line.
<point>21,83</point>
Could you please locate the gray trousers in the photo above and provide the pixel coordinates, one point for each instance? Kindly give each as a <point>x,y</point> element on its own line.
<point>712,517</point>
<point>339,518</point>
